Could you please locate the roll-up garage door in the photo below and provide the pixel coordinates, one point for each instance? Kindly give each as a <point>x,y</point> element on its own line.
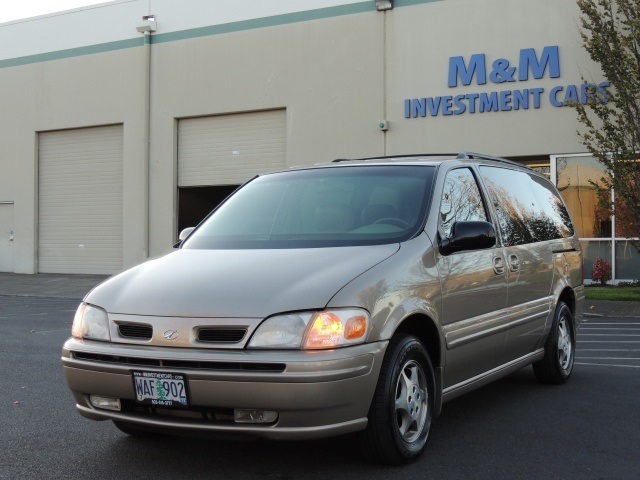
<point>80,201</point>
<point>230,149</point>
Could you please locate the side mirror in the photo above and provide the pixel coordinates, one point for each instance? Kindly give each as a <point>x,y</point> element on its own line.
<point>183,236</point>
<point>468,236</point>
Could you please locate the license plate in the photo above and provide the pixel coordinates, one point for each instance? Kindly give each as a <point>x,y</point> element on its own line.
<point>161,389</point>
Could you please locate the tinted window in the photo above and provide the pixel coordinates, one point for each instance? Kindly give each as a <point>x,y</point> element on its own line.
<point>529,209</point>
<point>461,200</point>
<point>321,207</point>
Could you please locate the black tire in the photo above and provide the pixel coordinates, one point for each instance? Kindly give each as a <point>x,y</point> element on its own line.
<point>131,429</point>
<point>401,411</point>
<point>559,350</point>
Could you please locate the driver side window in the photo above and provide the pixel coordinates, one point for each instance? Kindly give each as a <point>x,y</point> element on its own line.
<point>461,200</point>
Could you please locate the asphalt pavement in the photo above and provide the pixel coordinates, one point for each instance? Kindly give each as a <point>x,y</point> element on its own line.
<point>514,428</point>
<point>48,285</point>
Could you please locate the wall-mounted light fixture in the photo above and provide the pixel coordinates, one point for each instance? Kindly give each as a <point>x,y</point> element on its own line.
<point>382,5</point>
<point>148,24</point>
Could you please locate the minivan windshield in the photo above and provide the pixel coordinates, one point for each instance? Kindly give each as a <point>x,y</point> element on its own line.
<point>321,207</point>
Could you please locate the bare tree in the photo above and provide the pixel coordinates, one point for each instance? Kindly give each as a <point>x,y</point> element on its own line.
<point>611,117</point>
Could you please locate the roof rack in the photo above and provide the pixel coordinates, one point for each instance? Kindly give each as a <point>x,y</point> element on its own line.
<point>338,160</point>
<point>465,155</point>
<point>457,156</point>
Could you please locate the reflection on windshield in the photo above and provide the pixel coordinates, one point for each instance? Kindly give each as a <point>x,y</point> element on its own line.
<point>321,207</point>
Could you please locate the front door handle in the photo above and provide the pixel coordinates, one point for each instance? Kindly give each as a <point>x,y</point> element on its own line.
<point>514,263</point>
<point>498,265</point>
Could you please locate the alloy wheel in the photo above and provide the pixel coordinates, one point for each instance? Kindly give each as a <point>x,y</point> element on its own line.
<point>411,402</point>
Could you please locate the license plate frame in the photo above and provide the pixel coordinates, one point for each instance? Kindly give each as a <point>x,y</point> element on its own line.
<point>160,389</point>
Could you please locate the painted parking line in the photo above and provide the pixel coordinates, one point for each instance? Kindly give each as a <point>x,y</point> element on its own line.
<point>612,341</point>
<point>607,358</point>
<point>613,344</point>
<point>588,324</point>
<point>607,365</point>
<point>609,350</point>
<point>609,335</point>
<point>606,329</point>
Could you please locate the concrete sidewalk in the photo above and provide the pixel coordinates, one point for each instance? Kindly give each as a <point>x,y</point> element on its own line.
<point>611,309</point>
<point>55,285</point>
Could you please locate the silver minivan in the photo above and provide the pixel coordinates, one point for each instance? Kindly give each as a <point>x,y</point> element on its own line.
<point>353,297</point>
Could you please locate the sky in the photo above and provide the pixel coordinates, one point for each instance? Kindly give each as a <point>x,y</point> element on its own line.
<point>17,9</point>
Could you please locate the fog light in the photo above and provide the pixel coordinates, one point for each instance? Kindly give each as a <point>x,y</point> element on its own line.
<point>247,415</point>
<point>105,402</point>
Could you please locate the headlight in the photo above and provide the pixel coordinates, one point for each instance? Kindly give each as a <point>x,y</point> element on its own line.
<point>91,323</point>
<point>313,330</point>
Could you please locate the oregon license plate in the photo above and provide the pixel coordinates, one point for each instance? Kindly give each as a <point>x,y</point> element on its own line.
<point>161,389</point>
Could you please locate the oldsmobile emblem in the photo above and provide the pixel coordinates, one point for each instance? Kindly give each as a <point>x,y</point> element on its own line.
<point>170,334</point>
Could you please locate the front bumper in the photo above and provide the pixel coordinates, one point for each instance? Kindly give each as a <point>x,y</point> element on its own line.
<point>316,394</point>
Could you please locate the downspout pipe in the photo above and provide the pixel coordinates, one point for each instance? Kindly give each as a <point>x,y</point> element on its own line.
<point>147,143</point>
<point>146,27</point>
<point>384,6</point>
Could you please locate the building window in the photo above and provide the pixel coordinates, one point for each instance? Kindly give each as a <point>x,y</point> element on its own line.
<point>575,175</point>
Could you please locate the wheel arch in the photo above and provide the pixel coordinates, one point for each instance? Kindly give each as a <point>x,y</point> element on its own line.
<point>426,330</point>
<point>569,298</point>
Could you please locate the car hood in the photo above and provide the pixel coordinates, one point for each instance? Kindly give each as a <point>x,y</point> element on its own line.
<point>236,283</point>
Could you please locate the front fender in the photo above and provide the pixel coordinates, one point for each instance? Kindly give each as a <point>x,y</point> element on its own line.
<point>404,286</point>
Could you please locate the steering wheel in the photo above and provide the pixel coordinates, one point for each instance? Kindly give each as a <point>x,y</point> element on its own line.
<point>396,222</point>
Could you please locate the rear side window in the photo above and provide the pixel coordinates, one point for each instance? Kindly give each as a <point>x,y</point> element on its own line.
<point>528,207</point>
<point>461,200</point>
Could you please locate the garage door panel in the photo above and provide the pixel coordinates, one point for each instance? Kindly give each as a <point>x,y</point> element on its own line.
<point>230,149</point>
<point>80,201</point>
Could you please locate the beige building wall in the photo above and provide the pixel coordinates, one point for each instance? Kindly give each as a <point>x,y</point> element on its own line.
<point>422,38</point>
<point>326,73</point>
<point>336,73</point>
<point>92,90</point>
